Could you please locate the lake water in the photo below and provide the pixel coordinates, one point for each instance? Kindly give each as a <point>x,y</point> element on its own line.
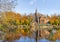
<point>27,39</point>
<point>33,40</point>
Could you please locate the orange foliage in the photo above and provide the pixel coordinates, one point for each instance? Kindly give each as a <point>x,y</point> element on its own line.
<point>12,36</point>
<point>57,35</point>
<point>23,32</point>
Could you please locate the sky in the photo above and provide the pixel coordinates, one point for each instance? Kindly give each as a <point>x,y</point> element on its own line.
<point>43,6</point>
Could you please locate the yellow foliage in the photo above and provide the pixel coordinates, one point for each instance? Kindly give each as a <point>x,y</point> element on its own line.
<point>57,35</point>
<point>23,32</point>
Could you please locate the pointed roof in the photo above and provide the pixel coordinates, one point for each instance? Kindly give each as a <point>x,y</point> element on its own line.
<point>36,18</point>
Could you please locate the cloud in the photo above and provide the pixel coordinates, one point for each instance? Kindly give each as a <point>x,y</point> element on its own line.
<point>32,2</point>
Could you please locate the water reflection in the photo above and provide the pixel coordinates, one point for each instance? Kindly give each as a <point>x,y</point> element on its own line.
<point>57,40</point>
<point>0,40</point>
<point>27,39</point>
<point>43,40</point>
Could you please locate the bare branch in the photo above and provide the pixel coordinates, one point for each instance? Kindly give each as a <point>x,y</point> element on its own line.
<point>7,5</point>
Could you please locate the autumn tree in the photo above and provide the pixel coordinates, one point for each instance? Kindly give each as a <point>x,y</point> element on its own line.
<point>54,20</point>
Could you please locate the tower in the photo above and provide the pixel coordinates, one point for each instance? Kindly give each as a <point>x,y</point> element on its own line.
<point>36,18</point>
